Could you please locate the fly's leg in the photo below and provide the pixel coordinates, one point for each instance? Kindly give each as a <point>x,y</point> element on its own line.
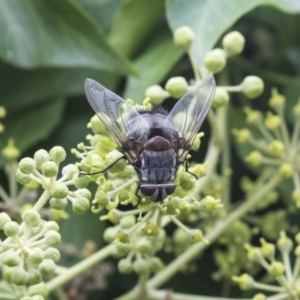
<point>136,193</point>
<point>187,169</point>
<point>104,170</point>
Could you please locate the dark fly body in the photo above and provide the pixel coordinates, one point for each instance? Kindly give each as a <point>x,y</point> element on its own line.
<point>154,142</point>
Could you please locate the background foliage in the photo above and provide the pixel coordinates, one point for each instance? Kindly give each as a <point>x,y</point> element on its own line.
<point>48,48</point>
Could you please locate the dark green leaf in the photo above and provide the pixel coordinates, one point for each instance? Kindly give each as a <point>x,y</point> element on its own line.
<point>55,33</point>
<point>209,19</point>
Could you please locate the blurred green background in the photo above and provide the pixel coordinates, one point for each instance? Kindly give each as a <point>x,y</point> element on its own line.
<point>48,48</point>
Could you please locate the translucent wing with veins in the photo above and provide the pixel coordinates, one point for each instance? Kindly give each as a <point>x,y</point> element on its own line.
<point>189,113</point>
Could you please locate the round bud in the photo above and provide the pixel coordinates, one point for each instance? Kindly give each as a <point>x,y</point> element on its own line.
<point>242,135</point>
<point>268,250</point>
<point>276,148</point>
<point>127,222</point>
<point>97,126</point>
<point>254,158</point>
<point>36,255</point>
<point>211,204</point>
<point>125,266</point>
<point>221,97</point>
<point>53,254</point>
<point>272,122</point>
<point>144,246</point>
<point>69,171</point>
<point>286,170</point>
<point>252,86</point>
<point>49,169</point>
<point>80,205</point>
<point>31,217</point>
<point>2,112</point>
<point>183,37</point>
<point>187,181</point>
<point>277,100</point>
<point>151,229</point>
<point>284,243</point>
<point>244,281</point>
<point>276,269</point>
<point>22,178</point>
<point>11,259</point>
<point>11,228</point>
<point>81,181</point>
<point>233,43</point>
<point>59,190</point>
<point>259,296</point>
<point>252,116</point>
<point>19,277</point>
<point>58,204</point>
<point>297,251</point>
<point>121,249</point>
<point>156,94</point>
<point>7,272</point>
<point>156,264</point>
<point>47,267</point>
<point>197,236</point>
<point>141,266</point>
<point>34,277</point>
<point>215,60</point>
<point>122,236</point>
<point>110,234</point>
<point>84,193</point>
<point>38,290</point>
<point>4,218</point>
<point>181,238</point>
<point>40,157</point>
<point>50,225</point>
<point>177,86</point>
<point>52,238</point>
<point>57,154</point>
<point>112,157</point>
<point>296,198</point>
<point>27,165</point>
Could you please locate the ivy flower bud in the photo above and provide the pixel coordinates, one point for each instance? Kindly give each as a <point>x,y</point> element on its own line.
<point>211,204</point>
<point>81,181</point>
<point>11,228</point>
<point>2,112</point>
<point>297,251</point>
<point>50,225</point>
<point>11,259</point>
<point>176,86</point>
<point>49,169</point>
<point>197,236</point>
<point>276,100</point>
<point>34,277</point>
<point>40,157</point>
<point>59,190</point>
<point>141,266</point>
<point>97,126</point>
<point>84,193</point>
<point>27,165</point>
<point>221,97</point>
<point>215,60</point>
<point>244,281</point>
<point>144,246</point>
<point>267,249</point>
<point>127,222</point>
<point>31,217</point>
<point>122,236</point>
<point>19,277</point>
<point>254,158</point>
<point>53,254</point>
<point>10,151</point>
<point>110,234</point>
<point>276,148</point>
<point>296,109</point>
<point>252,116</point>
<point>38,289</point>
<point>80,205</point>
<point>151,229</point>
<point>36,255</point>
<point>187,181</point>
<point>4,218</point>
<point>259,296</point>
<point>242,135</point>
<point>69,171</point>
<point>276,269</point>
<point>113,156</point>
<point>125,266</point>
<point>181,238</point>
<point>254,253</point>
<point>296,198</point>
<point>233,43</point>
<point>286,170</point>
<point>183,37</point>
<point>47,267</point>
<point>121,249</point>
<point>156,264</point>
<point>22,178</point>
<point>284,243</point>
<point>272,121</point>
<point>52,238</point>
<point>252,86</point>
<point>157,94</point>
<point>7,272</point>
<point>58,204</point>
<point>57,154</point>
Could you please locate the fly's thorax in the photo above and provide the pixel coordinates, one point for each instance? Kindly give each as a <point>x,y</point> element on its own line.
<point>157,192</point>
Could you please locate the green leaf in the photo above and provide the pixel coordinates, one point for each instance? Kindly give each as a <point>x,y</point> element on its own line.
<point>33,124</point>
<point>20,88</point>
<point>153,66</point>
<point>209,19</point>
<point>133,23</point>
<point>55,33</point>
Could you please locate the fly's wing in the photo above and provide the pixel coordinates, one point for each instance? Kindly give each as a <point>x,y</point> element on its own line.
<point>114,112</point>
<point>189,113</point>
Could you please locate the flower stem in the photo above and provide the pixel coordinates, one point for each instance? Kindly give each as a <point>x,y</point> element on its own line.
<point>42,200</point>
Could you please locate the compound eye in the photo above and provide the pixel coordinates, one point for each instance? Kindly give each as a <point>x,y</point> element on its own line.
<point>170,188</point>
<point>148,189</point>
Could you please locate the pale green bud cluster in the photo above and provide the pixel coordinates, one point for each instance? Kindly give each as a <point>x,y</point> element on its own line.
<point>36,257</point>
